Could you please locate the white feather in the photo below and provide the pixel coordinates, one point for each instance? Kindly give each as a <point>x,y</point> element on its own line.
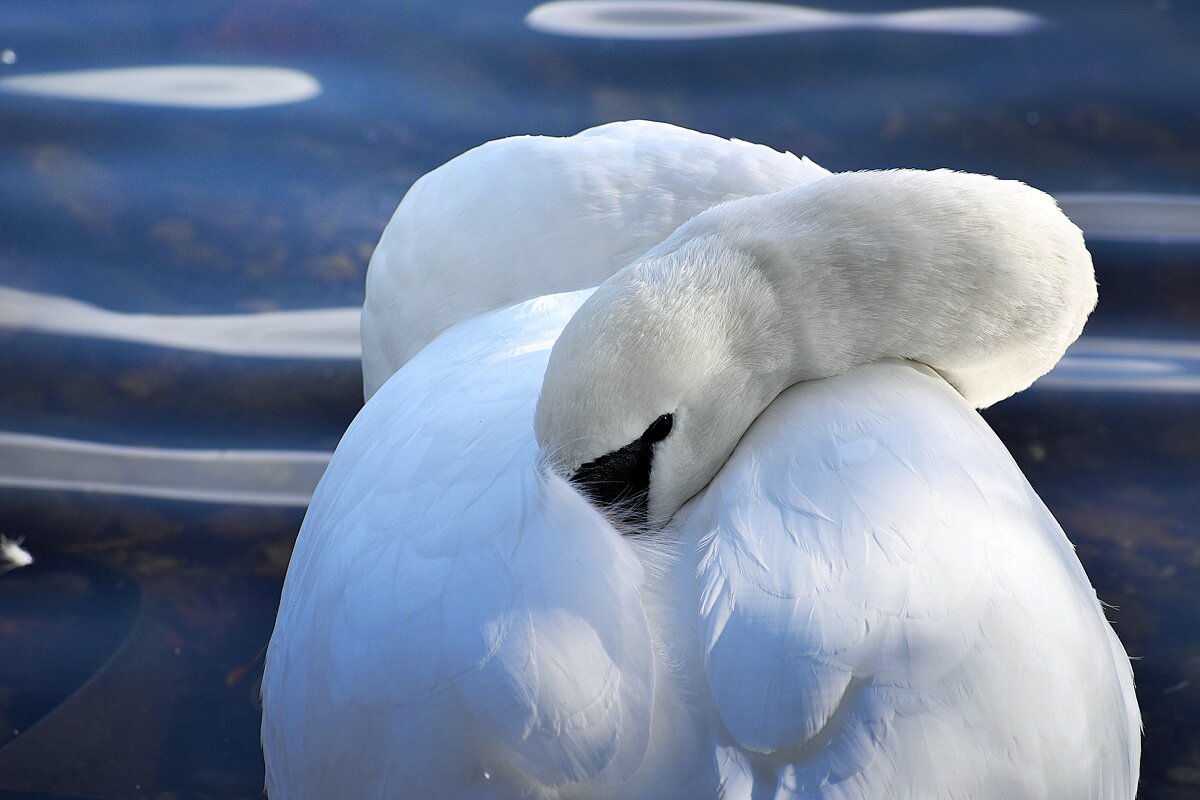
<point>867,601</point>
<point>888,610</point>
<point>534,215</point>
<point>13,555</point>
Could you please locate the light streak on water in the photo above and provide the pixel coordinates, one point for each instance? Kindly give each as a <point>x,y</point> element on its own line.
<point>237,477</point>
<point>322,333</point>
<point>288,477</point>
<point>1103,364</point>
<point>1093,363</point>
<point>181,85</point>
<point>713,19</point>
<point>1134,217</point>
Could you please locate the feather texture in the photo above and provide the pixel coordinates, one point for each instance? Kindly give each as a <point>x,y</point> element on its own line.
<point>442,628</point>
<point>534,215</point>
<point>868,600</point>
<point>888,610</point>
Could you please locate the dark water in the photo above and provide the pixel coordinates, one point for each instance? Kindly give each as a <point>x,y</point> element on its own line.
<point>130,651</point>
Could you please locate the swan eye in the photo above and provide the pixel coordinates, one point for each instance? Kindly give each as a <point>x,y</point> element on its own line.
<point>659,429</point>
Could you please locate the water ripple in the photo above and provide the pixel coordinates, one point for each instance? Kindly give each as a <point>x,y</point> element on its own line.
<point>713,19</point>
<point>181,85</point>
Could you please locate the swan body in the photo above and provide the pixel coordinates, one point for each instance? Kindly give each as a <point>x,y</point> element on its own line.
<point>534,215</point>
<point>865,599</point>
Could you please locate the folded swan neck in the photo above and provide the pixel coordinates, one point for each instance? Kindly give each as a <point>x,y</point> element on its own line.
<point>986,281</point>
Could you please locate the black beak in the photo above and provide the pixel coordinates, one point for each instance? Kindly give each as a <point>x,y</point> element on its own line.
<point>619,482</point>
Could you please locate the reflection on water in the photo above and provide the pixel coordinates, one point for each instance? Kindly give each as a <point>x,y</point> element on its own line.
<point>1128,217</point>
<point>184,85</point>
<point>1093,363</point>
<point>1100,364</point>
<point>242,477</point>
<point>64,616</point>
<point>316,333</point>
<point>132,644</point>
<point>714,19</point>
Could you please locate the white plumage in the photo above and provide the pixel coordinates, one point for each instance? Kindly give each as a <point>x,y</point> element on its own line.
<point>867,599</point>
<point>534,215</point>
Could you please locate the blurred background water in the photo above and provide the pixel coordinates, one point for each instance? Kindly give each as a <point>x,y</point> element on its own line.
<point>190,193</point>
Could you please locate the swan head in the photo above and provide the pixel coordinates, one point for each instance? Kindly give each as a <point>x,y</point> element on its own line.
<point>656,378</point>
<point>661,371</point>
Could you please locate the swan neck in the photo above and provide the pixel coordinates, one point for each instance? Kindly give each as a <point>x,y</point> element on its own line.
<point>984,280</point>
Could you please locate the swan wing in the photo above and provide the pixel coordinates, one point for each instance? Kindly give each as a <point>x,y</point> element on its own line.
<point>887,609</point>
<point>453,623</point>
<point>531,215</point>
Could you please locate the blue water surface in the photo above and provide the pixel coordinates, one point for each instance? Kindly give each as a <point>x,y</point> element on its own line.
<point>130,650</point>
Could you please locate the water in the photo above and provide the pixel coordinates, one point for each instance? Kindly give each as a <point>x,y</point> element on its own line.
<point>157,465</point>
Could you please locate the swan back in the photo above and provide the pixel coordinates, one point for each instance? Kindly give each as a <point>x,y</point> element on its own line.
<point>531,215</point>
<point>887,609</point>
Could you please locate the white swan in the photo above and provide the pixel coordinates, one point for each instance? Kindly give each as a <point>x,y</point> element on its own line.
<point>843,588</point>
